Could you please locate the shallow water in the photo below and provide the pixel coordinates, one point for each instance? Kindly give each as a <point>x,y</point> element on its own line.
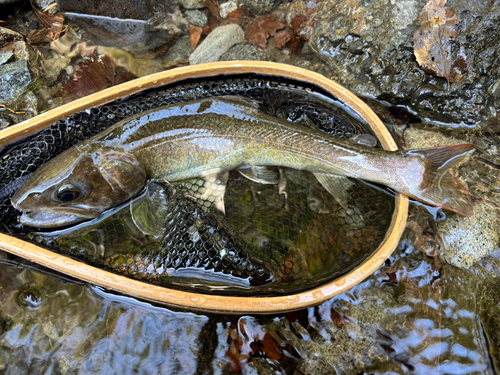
<point>415,314</point>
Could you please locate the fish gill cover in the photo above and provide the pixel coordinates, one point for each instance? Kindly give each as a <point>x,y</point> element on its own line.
<point>273,239</point>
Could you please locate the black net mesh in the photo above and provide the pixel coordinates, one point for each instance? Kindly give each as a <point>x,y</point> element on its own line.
<point>273,239</point>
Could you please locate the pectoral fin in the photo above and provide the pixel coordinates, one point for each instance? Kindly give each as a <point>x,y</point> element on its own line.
<point>150,209</point>
<point>260,174</point>
<point>337,186</point>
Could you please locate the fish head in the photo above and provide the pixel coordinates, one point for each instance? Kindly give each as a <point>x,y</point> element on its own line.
<point>77,186</point>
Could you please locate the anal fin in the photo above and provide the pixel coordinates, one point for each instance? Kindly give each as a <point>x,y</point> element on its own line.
<point>260,174</point>
<point>337,186</point>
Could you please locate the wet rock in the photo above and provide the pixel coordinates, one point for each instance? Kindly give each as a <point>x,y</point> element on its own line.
<point>261,6</point>
<point>193,4</point>
<point>138,27</point>
<point>180,50</point>
<point>368,46</point>
<point>216,43</point>
<point>44,4</point>
<point>244,52</point>
<point>8,36</point>
<point>15,77</point>
<point>2,2</point>
<point>339,347</point>
<point>467,240</point>
<point>52,67</point>
<point>4,57</point>
<point>196,17</point>
<point>418,138</point>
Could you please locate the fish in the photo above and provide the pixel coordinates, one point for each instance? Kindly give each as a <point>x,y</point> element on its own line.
<point>207,138</point>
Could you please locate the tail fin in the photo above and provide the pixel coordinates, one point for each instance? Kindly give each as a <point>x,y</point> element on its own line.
<point>444,188</point>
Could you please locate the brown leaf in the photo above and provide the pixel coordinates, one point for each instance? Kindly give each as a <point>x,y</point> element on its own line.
<point>213,7</point>
<point>262,28</point>
<point>432,42</point>
<point>282,37</point>
<point>54,23</point>
<point>95,74</point>
<point>268,345</point>
<point>235,16</point>
<point>195,35</point>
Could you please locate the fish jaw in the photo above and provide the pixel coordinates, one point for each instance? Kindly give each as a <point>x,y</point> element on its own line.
<point>48,220</point>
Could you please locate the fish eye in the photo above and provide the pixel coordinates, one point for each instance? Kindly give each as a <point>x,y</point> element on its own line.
<point>67,193</point>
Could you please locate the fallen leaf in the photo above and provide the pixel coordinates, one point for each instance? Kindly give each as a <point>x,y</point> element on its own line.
<point>268,345</point>
<point>297,39</point>
<point>282,38</point>
<point>261,28</point>
<point>213,7</point>
<point>235,16</point>
<point>53,23</point>
<point>95,74</point>
<point>195,35</point>
<point>432,42</point>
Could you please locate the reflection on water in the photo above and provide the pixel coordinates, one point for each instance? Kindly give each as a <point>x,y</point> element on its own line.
<point>413,315</point>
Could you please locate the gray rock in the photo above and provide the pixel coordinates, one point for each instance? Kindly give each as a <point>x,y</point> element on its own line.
<point>4,57</point>
<point>369,48</point>
<point>245,52</point>
<point>216,43</point>
<point>52,67</point>
<point>467,240</point>
<point>196,17</point>
<point>180,50</point>
<point>15,77</point>
<point>193,4</point>
<point>261,6</point>
<point>7,1</point>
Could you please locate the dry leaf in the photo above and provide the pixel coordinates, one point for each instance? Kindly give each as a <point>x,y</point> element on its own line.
<point>282,37</point>
<point>235,16</point>
<point>262,28</point>
<point>432,42</point>
<point>297,39</point>
<point>213,7</point>
<point>195,35</point>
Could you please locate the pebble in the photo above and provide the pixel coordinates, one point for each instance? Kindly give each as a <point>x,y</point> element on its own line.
<point>216,43</point>
<point>467,240</point>
<point>196,17</point>
<point>227,7</point>
<point>193,4</point>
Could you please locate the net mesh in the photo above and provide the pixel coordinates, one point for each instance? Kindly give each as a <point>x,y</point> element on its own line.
<point>273,238</point>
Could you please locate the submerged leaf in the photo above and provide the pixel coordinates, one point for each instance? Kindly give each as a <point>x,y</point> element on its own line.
<point>432,42</point>
<point>95,74</point>
<point>262,28</point>
<point>53,23</point>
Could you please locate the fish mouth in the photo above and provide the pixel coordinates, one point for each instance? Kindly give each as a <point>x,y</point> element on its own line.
<point>49,220</point>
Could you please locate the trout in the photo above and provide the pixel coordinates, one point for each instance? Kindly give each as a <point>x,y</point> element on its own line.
<point>209,137</point>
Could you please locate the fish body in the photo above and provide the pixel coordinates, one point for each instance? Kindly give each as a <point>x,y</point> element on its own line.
<point>207,137</point>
